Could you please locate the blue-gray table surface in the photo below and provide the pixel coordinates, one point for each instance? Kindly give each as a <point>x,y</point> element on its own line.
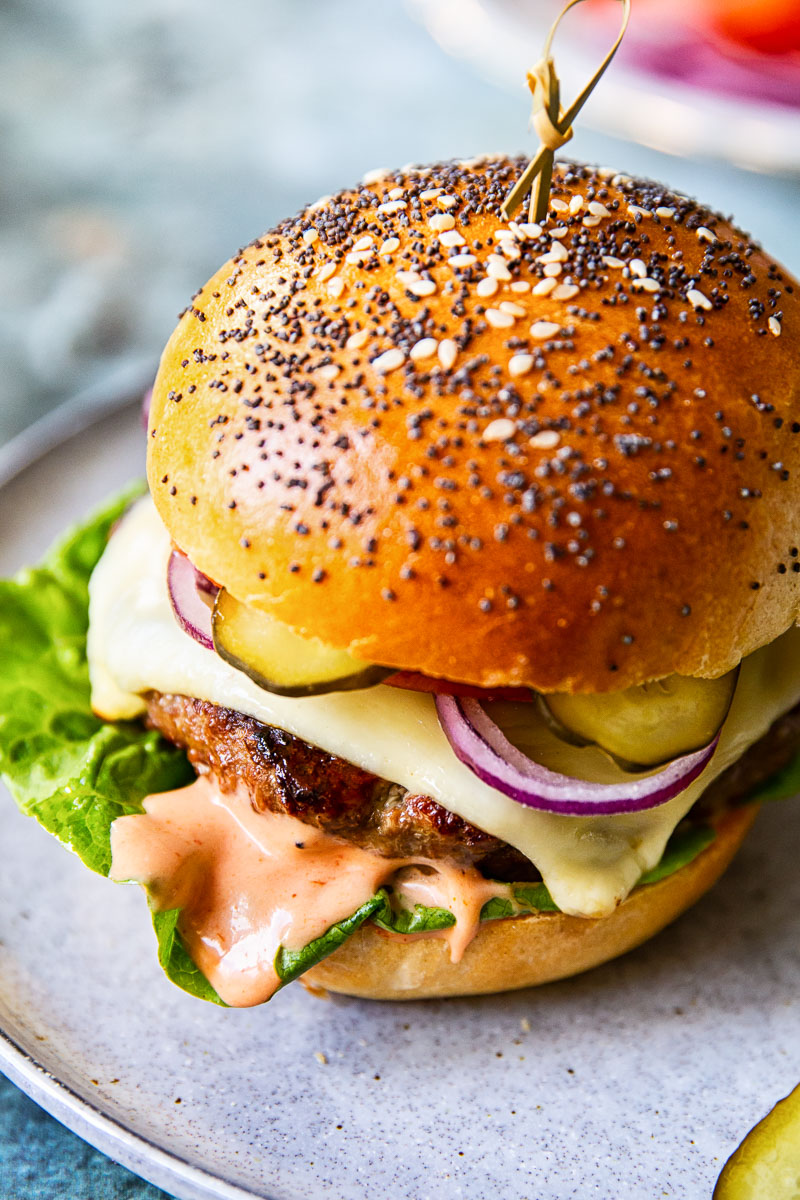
<point>141,144</point>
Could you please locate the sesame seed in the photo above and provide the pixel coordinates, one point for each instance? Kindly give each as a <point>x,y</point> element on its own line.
<point>441,222</point>
<point>531,229</point>
<point>390,360</point>
<point>546,439</point>
<point>565,291</point>
<point>697,299</point>
<point>408,277</point>
<point>357,339</point>
<point>390,245</point>
<point>557,253</point>
<point>487,287</point>
<point>636,210</point>
<point>364,243</point>
<point>393,206</point>
<point>664,213</point>
<point>774,326</point>
<point>461,260</point>
<point>611,261</point>
<point>422,287</point>
<point>326,271</point>
<point>591,222</point>
<point>576,204</point>
<point>431,194</point>
<point>502,235</point>
<point>396,193</point>
<point>520,285</point>
<point>559,205</point>
<point>498,319</point>
<point>310,236</point>
<point>646,285</point>
<point>706,235</point>
<point>497,267</point>
<point>553,270</point>
<point>516,310</point>
<point>597,209</point>
<point>357,258</point>
<point>451,237</point>
<point>637,267</point>
<point>499,431</point>
<point>544,329</point>
<point>448,353</point>
<point>446,201</point>
<point>376,176</point>
<point>544,287</point>
<point>336,286</point>
<point>425,348</point>
<point>510,251</point>
<point>520,364</point>
<point>329,372</point>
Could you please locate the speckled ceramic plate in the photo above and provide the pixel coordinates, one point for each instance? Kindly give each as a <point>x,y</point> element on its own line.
<point>636,1080</point>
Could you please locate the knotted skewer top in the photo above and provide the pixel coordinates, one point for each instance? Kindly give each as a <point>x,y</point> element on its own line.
<point>552,124</point>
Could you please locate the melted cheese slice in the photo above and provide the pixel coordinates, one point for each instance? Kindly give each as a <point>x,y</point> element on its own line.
<point>588,863</point>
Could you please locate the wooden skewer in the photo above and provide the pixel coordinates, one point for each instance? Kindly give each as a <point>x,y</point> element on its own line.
<point>553,125</point>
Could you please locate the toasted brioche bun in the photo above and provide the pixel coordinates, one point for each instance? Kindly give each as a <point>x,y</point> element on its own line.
<point>524,951</point>
<point>576,490</point>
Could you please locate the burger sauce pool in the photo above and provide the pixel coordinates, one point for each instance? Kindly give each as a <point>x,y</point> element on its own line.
<point>248,883</point>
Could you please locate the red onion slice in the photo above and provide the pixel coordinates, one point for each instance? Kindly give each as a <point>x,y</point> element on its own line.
<point>192,612</point>
<point>482,746</point>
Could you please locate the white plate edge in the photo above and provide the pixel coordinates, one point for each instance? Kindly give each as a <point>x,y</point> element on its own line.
<point>110,1137</point>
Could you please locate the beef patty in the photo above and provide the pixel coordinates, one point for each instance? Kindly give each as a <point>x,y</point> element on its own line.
<point>287,775</point>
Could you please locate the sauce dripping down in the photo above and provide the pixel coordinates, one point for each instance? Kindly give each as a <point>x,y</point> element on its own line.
<point>250,882</point>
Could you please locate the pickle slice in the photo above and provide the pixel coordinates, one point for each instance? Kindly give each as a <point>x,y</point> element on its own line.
<point>647,725</point>
<point>767,1164</point>
<point>280,660</point>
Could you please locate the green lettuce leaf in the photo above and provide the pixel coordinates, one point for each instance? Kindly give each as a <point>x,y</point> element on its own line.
<point>175,960</point>
<point>289,964</point>
<point>418,919</point>
<point>63,765</point>
<point>681,849</point>
<point>72,771</point>
<point>782,785</point>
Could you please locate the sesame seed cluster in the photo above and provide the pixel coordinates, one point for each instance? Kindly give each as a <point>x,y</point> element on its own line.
<point>533,434</point>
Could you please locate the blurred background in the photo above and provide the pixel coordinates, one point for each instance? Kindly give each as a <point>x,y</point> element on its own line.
<point>142,142</point>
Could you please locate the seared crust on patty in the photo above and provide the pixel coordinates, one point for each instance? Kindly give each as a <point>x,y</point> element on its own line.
<point>287,775</point>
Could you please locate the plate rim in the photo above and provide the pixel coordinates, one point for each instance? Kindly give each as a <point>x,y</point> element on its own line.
<point>138,1154</point>
<point>110,1136</point>
<point>74,416</point>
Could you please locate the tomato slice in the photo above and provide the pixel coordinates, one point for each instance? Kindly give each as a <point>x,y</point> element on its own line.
<point>414,682</point>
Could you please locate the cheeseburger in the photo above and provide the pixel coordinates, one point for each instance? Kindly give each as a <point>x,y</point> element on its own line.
<point>467,582</point>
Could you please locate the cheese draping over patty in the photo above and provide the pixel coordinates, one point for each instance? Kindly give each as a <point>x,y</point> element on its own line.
<point>589,864</point>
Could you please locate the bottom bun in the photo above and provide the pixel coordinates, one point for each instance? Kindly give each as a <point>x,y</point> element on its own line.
<point>524,951</point>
